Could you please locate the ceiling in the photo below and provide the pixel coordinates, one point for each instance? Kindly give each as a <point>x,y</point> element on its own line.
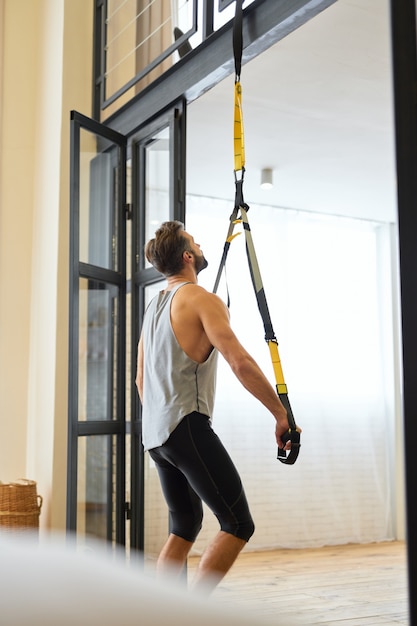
<point>318,110</point>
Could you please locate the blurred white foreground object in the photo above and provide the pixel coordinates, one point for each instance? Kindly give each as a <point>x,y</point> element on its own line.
<point>50,582</point>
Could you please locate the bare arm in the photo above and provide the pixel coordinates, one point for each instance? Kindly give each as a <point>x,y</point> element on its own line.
<point>215,320</point>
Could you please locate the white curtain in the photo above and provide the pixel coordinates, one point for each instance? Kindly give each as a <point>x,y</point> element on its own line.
<point>329,297</point>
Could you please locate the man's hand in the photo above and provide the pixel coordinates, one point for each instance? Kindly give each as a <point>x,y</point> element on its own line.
<point>280,429</point>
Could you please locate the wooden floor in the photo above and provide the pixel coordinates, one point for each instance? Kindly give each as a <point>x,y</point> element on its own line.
<point>353,585</point>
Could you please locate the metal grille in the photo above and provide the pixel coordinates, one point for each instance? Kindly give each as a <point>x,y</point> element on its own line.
<point>139,40</point>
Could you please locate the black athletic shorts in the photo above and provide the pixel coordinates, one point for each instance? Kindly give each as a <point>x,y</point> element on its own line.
<point>194,466</point>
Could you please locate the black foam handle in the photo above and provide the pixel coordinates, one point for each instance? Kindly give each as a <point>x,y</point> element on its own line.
<point>292,435</point>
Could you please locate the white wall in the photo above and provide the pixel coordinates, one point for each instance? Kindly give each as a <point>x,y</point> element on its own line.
<point>18,122</point>
<point>330,285</point>
<point>45,46</point>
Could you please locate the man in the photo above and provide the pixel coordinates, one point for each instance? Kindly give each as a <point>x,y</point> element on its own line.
<point>184,328</point>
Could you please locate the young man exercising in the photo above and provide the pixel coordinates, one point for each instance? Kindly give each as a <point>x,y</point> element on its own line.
<point>183,330</point>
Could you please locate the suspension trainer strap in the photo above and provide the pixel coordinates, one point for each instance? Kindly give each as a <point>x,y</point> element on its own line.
<point>230,235</point>
<point>238,38</point>
<point>239,142</point>
<point>238,139</point>
<point>293,433</point>
<point>239,215</point>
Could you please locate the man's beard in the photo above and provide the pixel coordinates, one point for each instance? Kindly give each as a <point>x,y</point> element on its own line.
<point>200,263</point>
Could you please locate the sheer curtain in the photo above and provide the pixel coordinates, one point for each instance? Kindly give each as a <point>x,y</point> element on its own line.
<point>329,297</point>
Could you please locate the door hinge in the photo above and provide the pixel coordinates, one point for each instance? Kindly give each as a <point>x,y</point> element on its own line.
<point>127,510</point>
<point>128,211</point>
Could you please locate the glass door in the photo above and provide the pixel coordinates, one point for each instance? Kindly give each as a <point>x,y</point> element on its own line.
<point>158,195</point>
<point>96,499</point>
<point>120,192</point>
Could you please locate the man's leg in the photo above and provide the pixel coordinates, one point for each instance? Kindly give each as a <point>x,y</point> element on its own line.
<point>210,472</point>
<point>173,556</point>
<point>216,561</point>
<point>203,471</point>
<point>185,516</point>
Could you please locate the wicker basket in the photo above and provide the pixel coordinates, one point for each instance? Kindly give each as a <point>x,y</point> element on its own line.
<point>20,506</point>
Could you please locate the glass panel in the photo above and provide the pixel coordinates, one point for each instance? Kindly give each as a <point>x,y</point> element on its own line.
<point>156,512</point>
<point>98,319</point>
<point>96,487</point>
<point>152,290</point>
<point>183,14</point>
<point>225,11</point>
<point>98,201</point>
<point>157,168</point>
<point>130,358</point>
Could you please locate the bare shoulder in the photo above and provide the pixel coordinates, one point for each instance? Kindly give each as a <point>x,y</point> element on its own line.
<point>208,305</point>
<point>194,311</point>
<point>199,296</point>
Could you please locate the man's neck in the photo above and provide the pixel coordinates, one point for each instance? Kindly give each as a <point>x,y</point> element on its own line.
<point>183,277</point>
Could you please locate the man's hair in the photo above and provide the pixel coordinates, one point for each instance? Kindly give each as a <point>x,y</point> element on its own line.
<point>165,250</point>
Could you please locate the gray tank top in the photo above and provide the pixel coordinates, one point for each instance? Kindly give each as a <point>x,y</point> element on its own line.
<point>173,384</point>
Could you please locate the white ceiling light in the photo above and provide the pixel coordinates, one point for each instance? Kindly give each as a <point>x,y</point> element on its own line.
<point>266,178</point>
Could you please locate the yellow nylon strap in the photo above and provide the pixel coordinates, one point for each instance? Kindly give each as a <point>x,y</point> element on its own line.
<point>276,363</point>
<point>239,143</point>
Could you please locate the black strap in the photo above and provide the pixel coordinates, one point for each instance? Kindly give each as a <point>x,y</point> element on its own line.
<point>226,247</point>
<point>238,38</point>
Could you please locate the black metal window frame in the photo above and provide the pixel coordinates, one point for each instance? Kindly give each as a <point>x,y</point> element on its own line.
<point>111,277</point>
